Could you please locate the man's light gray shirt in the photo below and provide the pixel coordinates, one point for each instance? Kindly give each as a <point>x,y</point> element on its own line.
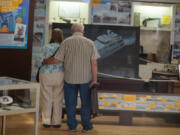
<point>77,52</point>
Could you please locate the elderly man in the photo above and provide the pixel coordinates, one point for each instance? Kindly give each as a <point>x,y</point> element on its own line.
<point>79,55</point>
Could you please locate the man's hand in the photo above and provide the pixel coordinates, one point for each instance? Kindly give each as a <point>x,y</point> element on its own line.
<point>45,62</point>
<point>93,83</point>
<point>50,61</point>
<point>94,72</point>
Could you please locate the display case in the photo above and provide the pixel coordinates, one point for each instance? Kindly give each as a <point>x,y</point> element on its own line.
<point>68,12</point>
<point>10,89</point>
<point>157,28</point>
<point>156,16</point>
<point>128,98</point>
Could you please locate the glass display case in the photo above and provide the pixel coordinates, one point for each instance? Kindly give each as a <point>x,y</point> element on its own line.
<point>157,28</point>
<point>13,102</point>
<point>156,16</point>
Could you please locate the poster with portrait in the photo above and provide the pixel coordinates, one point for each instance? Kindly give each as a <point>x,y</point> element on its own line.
<point>14,18</point>
<point>111,12</point>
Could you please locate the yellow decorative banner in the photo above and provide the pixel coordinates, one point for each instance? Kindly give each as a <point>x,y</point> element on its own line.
<point>101,107</point>
<point>164,99</point>
<point>101,97</point>
<point>148,96</point>
<point>114,95</point>
<point>177,101</point>
<point>106,103</point>
<point>130,98</point>
<point>9,5</point>
<point>105,96</point>
<point>171,106</point>
<point>118,106</point>
<point>114,103</point>
<point>152,105</point>
<point>119,98</point>
<point>166,109</point>
<point>177,106</point>
<point>148,108</point>
<point>161,99</point>
<point>129,107</point>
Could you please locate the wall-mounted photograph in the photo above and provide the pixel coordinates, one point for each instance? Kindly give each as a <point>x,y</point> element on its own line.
<point>112,13</point>
<point>19,33</point>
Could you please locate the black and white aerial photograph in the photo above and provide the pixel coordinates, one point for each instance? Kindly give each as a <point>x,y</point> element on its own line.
<point>112,13</point>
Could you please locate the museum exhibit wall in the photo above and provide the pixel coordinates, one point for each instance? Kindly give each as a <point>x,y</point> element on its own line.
<point>157,36</point>
<point>15,56</point>
<point>151,40</point>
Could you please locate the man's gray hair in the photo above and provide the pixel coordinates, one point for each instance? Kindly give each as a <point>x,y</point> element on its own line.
<point>77,27</point>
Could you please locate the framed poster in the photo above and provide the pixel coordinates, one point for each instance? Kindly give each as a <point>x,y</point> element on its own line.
<point>111,12</point>
<point>14,18</point>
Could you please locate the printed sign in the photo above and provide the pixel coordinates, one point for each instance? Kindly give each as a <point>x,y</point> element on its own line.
<point>14,17</point>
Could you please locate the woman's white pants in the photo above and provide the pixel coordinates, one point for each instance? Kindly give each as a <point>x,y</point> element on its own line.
<point>52,95</point>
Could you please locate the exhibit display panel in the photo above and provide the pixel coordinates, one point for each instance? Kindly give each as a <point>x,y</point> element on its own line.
<point>163,103</point>
<point>118,47</point>
<point>12,103</point>
<point>111,12</point>
<point>130,98</point>
<point>14,19</point>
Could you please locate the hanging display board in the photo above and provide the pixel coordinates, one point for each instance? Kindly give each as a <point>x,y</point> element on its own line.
<point>14,16</point>
<point>111,12</point>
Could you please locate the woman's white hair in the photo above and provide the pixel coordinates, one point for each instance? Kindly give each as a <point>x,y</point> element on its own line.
<point>77,27</point>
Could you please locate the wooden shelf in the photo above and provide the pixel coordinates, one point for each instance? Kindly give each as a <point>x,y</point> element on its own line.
<point>156,29</point>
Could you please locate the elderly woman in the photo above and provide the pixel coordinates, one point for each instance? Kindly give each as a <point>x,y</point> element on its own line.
<point>52,82</point>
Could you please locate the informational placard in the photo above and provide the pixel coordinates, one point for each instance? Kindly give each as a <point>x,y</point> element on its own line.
<point>14,18</point>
